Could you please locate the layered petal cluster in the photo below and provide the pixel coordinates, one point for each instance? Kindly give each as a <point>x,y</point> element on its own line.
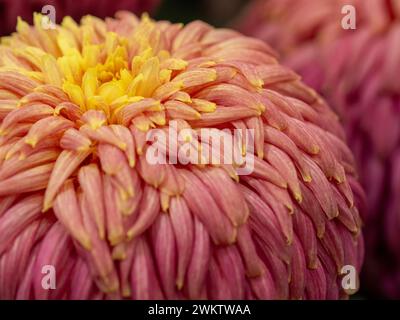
<point>78,193</point>
<point>11,9</point>
<point>356,71</point>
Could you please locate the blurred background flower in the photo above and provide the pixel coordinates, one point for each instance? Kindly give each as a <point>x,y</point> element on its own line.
<point>288,24</point>
<point>356,71</point>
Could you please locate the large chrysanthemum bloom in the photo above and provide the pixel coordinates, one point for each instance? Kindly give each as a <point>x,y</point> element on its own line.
<point>11,9</point>
<point>355,71</point>
<point>78,193</point>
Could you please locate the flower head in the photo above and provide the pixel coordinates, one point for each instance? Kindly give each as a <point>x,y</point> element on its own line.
<point>289,24</point>
<point>78,193</point>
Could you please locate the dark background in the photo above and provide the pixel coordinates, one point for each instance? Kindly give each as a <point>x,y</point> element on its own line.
<point>216,12</point>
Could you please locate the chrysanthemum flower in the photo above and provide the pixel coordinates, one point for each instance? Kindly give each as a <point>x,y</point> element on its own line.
<point>11,9</point>
<point>356,72</point>
<point>288,24</point>
<point>77,192</point>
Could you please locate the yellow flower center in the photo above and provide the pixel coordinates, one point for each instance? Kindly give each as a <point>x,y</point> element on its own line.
<point>104,73</point>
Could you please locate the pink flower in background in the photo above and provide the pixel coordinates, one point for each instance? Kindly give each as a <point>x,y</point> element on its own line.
<point>356,71</point>
<point>11,9</point>
<point>288,24</point>
<point>77,191</point>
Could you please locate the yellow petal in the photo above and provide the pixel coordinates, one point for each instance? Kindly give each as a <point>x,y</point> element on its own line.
<point>75,93</point>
